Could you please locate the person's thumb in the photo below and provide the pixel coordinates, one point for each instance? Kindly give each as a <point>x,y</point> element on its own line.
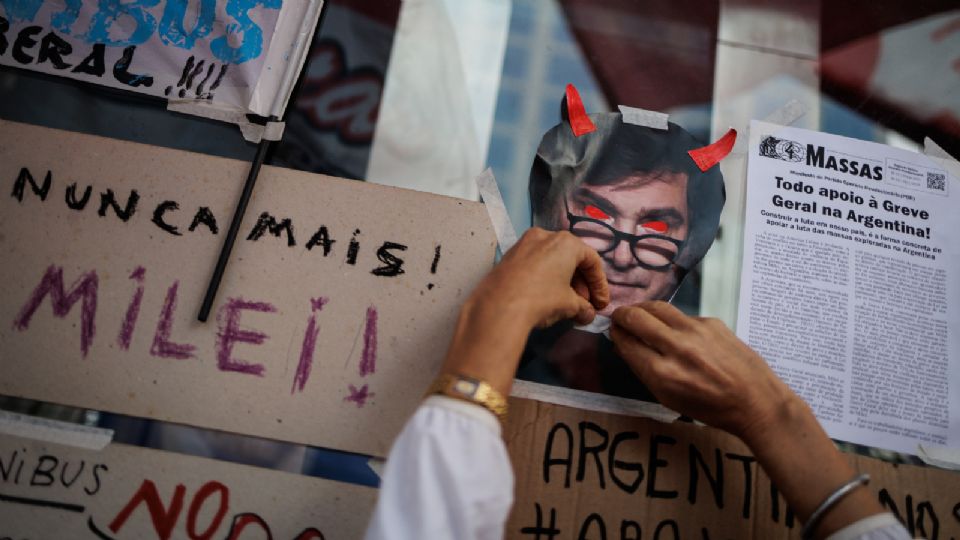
<point>585,310</point>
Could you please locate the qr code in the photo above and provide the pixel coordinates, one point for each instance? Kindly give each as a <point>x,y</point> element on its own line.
<point>937,181</point>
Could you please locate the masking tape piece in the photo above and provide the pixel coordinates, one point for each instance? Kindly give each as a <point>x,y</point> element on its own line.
<point>272,131</point>
<point>643,117</point>
<point>599,325</point>
<point>945,458</point>
<point>377,465</point>
<point>933,150</point>
<point>54,431</point>
<point>502,226</point>
<point>569,397</point>
<point>786,115</point>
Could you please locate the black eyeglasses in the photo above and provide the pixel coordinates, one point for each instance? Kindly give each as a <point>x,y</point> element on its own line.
<point>652,251</point>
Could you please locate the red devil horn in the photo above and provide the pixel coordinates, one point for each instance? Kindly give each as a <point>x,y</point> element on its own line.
<point>710,155</point>
<point>577,114</point>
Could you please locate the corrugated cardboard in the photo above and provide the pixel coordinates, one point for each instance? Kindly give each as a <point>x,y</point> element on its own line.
<point>309,342</point>
<point>584,474</point>
<point>53,491</point>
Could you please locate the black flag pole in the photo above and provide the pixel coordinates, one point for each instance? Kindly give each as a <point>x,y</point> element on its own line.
<point>231,237</point>
<point>264,147</point>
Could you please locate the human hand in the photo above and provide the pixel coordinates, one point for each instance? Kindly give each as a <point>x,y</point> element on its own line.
<point>698,367</point>
<point>546,277</point>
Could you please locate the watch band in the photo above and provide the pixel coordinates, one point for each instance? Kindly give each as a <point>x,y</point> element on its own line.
<point>472,390</point>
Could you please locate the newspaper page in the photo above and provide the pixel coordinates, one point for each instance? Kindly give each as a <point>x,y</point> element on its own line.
<point>851,283</point>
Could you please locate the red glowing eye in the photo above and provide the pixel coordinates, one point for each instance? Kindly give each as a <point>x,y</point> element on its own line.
<point>595,212</point>
<point>657,226</point>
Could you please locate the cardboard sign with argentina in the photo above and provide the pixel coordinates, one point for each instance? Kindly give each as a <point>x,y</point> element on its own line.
<point>649,201</point>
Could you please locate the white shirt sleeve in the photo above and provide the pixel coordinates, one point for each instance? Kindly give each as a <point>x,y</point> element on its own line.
<point>877,527</point>
<point>448,475</point>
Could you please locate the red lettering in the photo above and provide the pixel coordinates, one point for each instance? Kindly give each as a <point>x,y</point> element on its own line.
<point>241,521</point>
<point>163,518</point>
<point>310,534</point>
<point>199,499</point>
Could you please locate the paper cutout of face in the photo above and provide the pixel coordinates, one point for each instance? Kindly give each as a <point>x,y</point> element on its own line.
<point>632,193</point>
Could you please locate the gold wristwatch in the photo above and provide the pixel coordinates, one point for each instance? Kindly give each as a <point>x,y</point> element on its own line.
<point>472,390</point>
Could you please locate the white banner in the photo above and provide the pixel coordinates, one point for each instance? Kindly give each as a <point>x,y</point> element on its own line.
<point>241,55</point>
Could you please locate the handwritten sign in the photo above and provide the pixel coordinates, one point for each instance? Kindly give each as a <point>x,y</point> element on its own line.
<point>334,316</point>
<point>234,53</point>
<point>583,474</point>
<point>53,491</point>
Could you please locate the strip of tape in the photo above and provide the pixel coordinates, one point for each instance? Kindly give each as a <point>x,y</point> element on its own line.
<point>272,131</point>
<point>54,431</point>
<point>502,226</point>
<point>579,399</point>
<point>786,115</point>
<point>932,149</point>
<point>643,117</point>
<point>945,458</point>
<point>377,465</point>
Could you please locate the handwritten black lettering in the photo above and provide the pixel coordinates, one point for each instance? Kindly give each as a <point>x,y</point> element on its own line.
<point>541,531</point>
<point>663,525</point>
<point>25,41</point>
<point>747,461</point>
<point>436,259</point>
<point>96,479</point>
<point>242,521</point>
<point>267,223</point>
<point>108,199</point>
<point>44,469</point>
<point>158,213</point>
<point>204,216</point>
<point>6,469</point>
<point>775,508</point>
<point>655,463</point>
<point>715,480</point>
<point>93,64</point>
<point>591,449</point>
<point>353,249</point>
<point>925,509</point>
<point>64,474</point>
<point>632,528</point>
<point>24,177</point>
<point>549,461</point>
<point>121,70</point>
<point>392,265</point>
<point>71,197</point>
<point>321,238</point>
<point>614,464</point>
<point>53,48</point>
<point>4,26</point>
<point>585,528</point>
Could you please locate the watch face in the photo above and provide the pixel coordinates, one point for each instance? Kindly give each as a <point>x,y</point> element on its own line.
<point>467,388</point>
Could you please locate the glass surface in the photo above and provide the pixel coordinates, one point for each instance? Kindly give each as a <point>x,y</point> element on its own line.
<point>427,93</point>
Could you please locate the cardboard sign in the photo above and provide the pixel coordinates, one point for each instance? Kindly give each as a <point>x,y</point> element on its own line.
<point>332,318</point>
<point>584,474</point>
<point>52,491</point>
<point>240,54</point>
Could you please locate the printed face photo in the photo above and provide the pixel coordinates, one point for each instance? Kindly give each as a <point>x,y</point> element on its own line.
<point>648,201</point>
<point>638,225</point>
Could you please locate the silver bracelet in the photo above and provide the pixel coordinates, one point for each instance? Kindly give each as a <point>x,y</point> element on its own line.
<point>828,503</point>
